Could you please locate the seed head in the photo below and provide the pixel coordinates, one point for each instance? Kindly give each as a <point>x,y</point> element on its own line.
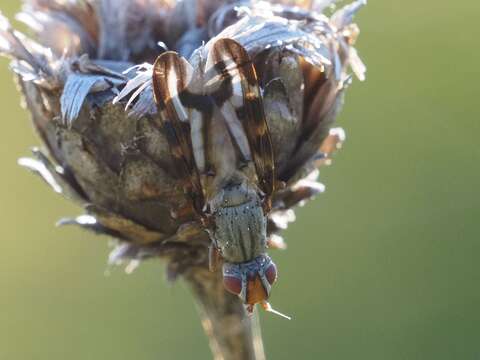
<point>85,75</point>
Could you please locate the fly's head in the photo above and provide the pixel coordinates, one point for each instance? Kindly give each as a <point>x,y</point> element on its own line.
<point>252,280</point>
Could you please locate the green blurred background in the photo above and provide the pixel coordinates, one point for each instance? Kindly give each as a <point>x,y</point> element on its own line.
<point>384,265</point>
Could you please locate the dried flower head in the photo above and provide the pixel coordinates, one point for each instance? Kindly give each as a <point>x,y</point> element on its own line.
<point>86,77</point>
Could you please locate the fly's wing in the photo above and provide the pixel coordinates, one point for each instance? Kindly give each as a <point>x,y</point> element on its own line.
<point>171,76</point>
<point>232,82</point>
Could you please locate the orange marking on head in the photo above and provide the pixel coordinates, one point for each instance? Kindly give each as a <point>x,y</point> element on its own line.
<point>256,293</point>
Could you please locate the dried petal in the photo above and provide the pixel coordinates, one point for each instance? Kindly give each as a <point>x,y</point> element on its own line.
<point>53,175</point>
<point>77,87</point>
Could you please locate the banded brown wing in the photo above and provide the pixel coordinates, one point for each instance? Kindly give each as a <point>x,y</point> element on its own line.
<point>171,76</point>
<point>230,71</point>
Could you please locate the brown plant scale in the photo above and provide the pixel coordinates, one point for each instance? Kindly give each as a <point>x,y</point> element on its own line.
<point>86,78</point>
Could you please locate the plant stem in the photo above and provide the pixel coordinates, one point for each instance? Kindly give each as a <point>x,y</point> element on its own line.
<point>233,334</point>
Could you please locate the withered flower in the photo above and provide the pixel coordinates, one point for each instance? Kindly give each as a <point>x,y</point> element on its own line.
<point>86,78</point>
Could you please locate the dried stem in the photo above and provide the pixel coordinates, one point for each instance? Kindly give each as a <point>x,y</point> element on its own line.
<point>233,334</point>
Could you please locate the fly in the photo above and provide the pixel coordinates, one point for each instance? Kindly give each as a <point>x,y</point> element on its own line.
<point>215,125</point>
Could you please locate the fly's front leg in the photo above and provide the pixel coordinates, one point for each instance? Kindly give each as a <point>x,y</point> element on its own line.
<point>214,257</point>
<point>267,205</point>
<point>214,253</point>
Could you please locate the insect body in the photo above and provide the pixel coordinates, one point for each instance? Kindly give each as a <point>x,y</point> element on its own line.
<point>240,237</point>
<point>215,124</point>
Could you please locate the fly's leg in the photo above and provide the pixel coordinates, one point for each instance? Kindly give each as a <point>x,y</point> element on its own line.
<point>214,257</point>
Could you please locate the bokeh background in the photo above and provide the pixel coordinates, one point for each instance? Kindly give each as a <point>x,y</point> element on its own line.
<point>384,265</point>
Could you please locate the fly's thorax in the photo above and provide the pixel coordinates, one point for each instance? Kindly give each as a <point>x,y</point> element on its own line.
<point>240,224</point>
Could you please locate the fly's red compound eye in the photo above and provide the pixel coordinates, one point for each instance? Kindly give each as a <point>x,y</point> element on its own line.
<point>271,273</point>
<point>232,284</point>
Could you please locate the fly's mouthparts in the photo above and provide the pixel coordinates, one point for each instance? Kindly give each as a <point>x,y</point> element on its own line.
<point>267,307</point>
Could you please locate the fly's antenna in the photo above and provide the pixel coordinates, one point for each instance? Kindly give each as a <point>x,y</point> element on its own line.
<point>267,307</point>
